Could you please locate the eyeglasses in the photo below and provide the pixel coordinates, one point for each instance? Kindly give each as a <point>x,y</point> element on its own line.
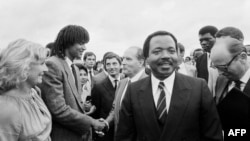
<point>224,68</point>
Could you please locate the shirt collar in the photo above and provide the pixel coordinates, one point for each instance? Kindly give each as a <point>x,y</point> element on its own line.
<point>168,82</point>
<point>113,79</point>
<point>137,76</point>
<point>68,61</point>
<point>92,70</point>
<point>246,76</point>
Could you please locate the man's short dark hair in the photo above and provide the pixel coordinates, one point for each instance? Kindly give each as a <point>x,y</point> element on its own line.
<point>232,32</point>
<point>81,67</point>
<point>208,29</point>
<point>196,50</point>
<point>111,55</point>
<point>88,54</point>
<point>157,33</point>
<point>69,36</point>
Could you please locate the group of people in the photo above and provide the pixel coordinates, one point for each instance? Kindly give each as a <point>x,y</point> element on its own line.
<point>150,93</point>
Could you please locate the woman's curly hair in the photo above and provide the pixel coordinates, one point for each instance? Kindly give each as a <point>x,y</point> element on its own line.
<point>15,62</point>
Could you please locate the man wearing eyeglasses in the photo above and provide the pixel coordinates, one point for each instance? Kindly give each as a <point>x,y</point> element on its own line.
<point>230,58</point>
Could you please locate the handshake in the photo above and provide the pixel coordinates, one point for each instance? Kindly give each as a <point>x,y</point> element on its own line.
<point>100,126</point>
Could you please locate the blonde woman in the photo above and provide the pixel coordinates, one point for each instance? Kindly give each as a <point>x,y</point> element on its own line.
<point>24,116</point>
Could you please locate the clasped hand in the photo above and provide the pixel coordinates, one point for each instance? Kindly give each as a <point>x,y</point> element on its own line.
<point>100,126</point>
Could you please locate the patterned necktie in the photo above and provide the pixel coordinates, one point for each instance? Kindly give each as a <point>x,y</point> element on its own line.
<point>161,105</point>
<point>237,84</point>
<point>74,74</point>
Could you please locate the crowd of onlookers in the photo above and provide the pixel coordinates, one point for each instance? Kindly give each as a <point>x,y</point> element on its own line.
<point>152,93</point>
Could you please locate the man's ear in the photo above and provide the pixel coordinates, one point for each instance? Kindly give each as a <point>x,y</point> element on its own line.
<point>243,55</point>
<point>142,62</point>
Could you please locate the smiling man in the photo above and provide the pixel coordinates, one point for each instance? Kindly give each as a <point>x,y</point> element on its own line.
<point>167,105</point>
<point>103,92</point>
<point>61,88</point>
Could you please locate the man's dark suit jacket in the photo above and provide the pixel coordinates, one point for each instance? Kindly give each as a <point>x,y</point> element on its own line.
<point>113,116</point>
<point>103,94</point>
<point>192,113</point>
<point>63,100</point>
<point>201,67</point>
<point>234,108</point>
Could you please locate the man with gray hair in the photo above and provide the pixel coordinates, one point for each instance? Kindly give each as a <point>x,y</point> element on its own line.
<point>134,69</point>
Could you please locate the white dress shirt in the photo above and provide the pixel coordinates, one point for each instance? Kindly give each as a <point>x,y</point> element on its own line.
<point>243,79</point>
<point>168,88</point>
<point>113,80</point>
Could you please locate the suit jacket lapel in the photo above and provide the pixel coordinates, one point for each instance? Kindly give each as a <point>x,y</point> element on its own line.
<point>247,88</point>
<point>120,91</point>
<point>147,106</point>
<point>109,86</point>
<point>72,83</point>
<point>178,104</point>
<point>143,75</point>
<point>221,85</point>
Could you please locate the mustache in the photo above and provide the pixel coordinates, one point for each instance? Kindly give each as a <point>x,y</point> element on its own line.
<point>165,61</point>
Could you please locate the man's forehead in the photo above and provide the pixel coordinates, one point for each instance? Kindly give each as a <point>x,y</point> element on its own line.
<point>113,59</point>
<point>206,35</point>
<point>220,48</point>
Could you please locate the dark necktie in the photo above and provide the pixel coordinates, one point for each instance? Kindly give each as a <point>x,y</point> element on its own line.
<point>177,69</point>
<point>74,74</point>
<point>90,74</point>
<point>161,105</point>
<point>115,83</point>
<point>237,84</point>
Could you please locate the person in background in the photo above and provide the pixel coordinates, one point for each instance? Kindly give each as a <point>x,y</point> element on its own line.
<point>24,116</point>
<point>207,40</point>
<point>134,69</point>
<point>86,89</point>
<point>197,53</point>
<point>203,63</point>
<point>61,88</point>
<point>50,46</point>
<point>89,60</point>
<point>188,60</point>
<point>102,75</point>
<point>99,66</point>
<point>184,68</point>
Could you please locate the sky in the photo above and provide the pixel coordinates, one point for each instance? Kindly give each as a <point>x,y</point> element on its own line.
<point>115,25</point>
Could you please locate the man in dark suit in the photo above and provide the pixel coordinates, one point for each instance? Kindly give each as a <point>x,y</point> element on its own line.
<point>167,105</point>
<point>134,69</point>
<point>102,75</point>
<point>103,92</point>
<point>207,40</point>
<point>61,88</point>
<point>203,63</point>
<point>89,59</point>
<point>233,86</point>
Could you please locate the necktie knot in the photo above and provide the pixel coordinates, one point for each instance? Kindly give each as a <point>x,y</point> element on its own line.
<point>161,85</point>
<point>237,83</point>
